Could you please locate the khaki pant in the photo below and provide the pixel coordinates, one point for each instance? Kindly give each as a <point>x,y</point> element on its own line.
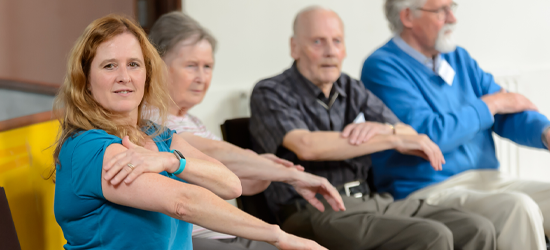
<point>377,222</point>
<point>517,208</point>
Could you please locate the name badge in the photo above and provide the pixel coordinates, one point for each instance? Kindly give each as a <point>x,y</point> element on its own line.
<point>360,118</point>
<point>446,72</point>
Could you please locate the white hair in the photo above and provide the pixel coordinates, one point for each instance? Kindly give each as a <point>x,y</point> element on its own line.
<point>445,42</point>
<point>393,8</point>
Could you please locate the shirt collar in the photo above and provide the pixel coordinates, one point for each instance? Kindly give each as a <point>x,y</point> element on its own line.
<point>426,61</point>
<point>312,88</point>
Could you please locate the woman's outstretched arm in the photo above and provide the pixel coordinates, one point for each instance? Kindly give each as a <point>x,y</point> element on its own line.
<point>194,204</point>
<point>200,169</point>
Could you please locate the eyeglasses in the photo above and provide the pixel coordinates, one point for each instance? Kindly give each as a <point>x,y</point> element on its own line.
<point>443,12</point>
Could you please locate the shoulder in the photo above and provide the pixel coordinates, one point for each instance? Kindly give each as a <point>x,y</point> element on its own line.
<point>354,88</point>
<point>81,161</point>
<point>388,52</point>
<point>87,142</point>
<point>350,84</point>
<point>193,119</point>
<point>200,129</point>
<point>389,66</point>
<point>86,146</point>
<point>384,61</point>
<point>458,52</point>
<point>152,128</point>
<point>184,123</point>
<point>94,136</point>
<point>348,80</point>
<point>278,84</point>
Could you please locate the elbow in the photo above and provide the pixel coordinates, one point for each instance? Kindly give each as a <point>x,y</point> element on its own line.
<point>233,189</point>
<point>228,184</point>
<point>186,205</point>
<point>189,204</point>
<point>236,191</point>
<point>182,210</point>
<point>305,149</point>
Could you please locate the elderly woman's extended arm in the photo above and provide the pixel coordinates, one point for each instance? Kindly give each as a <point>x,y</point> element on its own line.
<point>207,172</point>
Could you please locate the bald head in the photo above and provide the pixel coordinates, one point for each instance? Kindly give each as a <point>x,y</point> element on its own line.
<point>318,46</point>
<point>307,16</point>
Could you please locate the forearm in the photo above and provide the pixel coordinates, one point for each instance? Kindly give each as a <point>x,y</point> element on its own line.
<point>188,202</point>
<point>214,177</point>
<point>205,209</point>
<point>524,128</point>
<point>252,187</point>
<point>206,171</point>
<point>331,146</point>
<point>452,129</point>
<point>245,164</point>
<point>254,171</point>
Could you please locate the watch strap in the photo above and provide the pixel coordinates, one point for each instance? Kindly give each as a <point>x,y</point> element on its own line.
<point>182,161</point>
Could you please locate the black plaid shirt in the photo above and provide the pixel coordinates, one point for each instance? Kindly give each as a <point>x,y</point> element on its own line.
<point>289,101</point>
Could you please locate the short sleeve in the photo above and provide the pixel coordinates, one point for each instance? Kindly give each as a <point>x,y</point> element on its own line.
<point>87,162</point>
<point>165,136</point>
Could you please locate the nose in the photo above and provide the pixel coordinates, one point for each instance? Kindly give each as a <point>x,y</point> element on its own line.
<point>451,18</point>
<point>123,76</point>
<point>330,49</point>
<point>200,75</point>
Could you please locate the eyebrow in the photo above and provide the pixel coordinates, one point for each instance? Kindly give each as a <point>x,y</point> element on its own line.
<point>114,60</point>
<point>325,38</point>
<point>136,59</point>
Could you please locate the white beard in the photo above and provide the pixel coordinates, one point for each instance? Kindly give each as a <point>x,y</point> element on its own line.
<point>445,43</point>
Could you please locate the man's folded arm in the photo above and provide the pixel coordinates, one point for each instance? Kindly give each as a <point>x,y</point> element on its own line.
<point>448,130</point>
<point>331,146</point>
<point>524,128</point>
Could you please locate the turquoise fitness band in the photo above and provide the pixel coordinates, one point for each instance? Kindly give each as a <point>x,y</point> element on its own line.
<point>182,160</point>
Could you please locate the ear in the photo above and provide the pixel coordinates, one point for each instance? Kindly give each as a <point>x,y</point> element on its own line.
<point>294,48</point>
<point>406,17</point>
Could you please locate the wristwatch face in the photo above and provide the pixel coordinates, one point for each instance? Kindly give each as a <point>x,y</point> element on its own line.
<point>178,154</point>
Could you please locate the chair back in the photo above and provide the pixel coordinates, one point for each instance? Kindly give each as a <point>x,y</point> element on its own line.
<point>8,235</point>
<point>235,131</point>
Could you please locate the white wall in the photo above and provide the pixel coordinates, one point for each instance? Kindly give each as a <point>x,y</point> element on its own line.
<point>253,35</point>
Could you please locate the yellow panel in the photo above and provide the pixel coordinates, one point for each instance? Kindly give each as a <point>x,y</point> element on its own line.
<point>25,157</point>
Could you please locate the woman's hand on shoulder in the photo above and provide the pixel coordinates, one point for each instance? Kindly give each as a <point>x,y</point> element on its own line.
<point>128,165</point>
